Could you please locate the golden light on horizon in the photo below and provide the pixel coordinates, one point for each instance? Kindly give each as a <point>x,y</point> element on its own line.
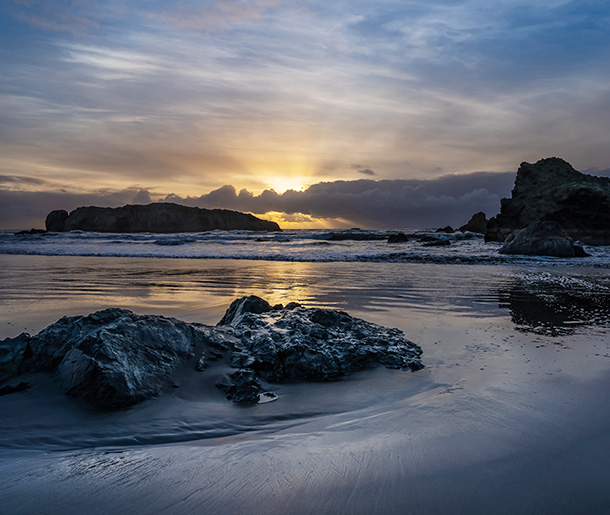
<point>281,184</point>
<point>301,221</point>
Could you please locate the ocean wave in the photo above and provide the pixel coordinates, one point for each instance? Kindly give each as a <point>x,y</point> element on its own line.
<point>296,245</point>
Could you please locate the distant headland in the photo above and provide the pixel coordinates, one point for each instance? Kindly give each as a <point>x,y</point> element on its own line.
<point>161,217</point>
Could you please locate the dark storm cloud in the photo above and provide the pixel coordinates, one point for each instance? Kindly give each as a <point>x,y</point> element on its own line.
<point>450,199</point>
<point>366,171</point>
<point>408,203</point>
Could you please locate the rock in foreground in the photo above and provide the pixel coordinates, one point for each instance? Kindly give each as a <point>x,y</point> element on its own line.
<point>316,344</point>
<point>161,217</point>
<point>115,358</point>
<point>112,358</point>
<point>552,191</point>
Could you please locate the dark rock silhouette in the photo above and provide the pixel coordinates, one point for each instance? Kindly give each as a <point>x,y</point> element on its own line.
<point>477,223</point>
<point>552,190</point>
<point>162,217</point>
<point>115,358</point>
<point>543,239</point>
<point>399,237</point>
<point>432,241</point>
<point>55,220</point>
<point>447,229</point>
<point>30,232</point>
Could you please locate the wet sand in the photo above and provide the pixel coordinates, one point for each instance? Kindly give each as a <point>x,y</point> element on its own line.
<point>509,415</point>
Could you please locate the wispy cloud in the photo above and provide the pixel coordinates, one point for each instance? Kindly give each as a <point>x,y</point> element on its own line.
<point>220,16</point>
<point>258,93</point>
<point>74,17</point>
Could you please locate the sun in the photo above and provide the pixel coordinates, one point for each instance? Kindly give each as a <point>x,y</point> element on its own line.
<point>280,184</point>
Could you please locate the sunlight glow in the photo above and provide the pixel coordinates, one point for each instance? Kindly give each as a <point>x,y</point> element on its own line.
<point>301,221</point>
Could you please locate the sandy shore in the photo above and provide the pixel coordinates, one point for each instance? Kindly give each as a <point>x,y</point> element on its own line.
<point>509,415</point>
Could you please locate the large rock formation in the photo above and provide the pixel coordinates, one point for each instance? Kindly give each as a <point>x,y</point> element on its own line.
<point>115,358</point>
<point>161,217</point>
<point>543,239</point>
<point>551,190</point>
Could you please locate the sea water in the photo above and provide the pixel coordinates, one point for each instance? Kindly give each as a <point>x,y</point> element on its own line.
<point>509,414</point>
<point>290,245</point>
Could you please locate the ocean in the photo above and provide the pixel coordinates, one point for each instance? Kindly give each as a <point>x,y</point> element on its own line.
<point>509,414</point>
<point>290,245</point>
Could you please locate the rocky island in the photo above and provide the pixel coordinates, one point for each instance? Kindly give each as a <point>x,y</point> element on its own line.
<point>551,190</point>
<point>161,217</point>
<point>115,358</point>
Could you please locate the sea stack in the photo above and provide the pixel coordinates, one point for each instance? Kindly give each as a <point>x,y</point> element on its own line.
<point>477,223</point>
<point>161,217</point>
<point>551,190</point>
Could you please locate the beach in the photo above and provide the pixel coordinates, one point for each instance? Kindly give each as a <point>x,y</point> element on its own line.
<point>507,416</point>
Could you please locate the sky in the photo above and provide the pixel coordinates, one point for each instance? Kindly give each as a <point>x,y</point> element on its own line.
<point>311,113</point>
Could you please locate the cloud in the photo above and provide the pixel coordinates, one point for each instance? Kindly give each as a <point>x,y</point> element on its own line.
<point>25,209</point>
<point>20,181</point>
<point>403,203</point>
<point>450,199</point>
<point>366,171</point>
<point>73,17</point>
<point>135,94</point>
<point>220,16</point>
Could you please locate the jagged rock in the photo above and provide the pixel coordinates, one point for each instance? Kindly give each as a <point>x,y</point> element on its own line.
<point>114,358</point>
<point>543,239</point>
<point>399,237</point>
<point>251,304</point>
<point>243,387</point>
<point>317,344</point>
<point>552,190</point>
<point>448,229</point>
<point>477,223</point>
<point>160,217</point>
<point>55,220</point>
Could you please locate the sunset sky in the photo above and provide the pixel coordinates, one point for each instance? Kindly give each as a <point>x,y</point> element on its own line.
<point>366,109</point>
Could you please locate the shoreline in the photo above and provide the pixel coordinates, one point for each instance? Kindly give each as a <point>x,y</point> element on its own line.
<point>504,418</point>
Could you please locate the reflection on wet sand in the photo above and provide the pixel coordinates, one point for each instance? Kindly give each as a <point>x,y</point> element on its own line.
<point>555,306</point>
<point>499,420</point>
